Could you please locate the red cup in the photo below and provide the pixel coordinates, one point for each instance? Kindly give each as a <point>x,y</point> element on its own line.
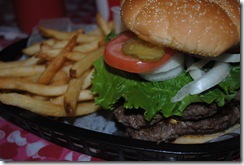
<point>104,8</point>
<point>30,12</point>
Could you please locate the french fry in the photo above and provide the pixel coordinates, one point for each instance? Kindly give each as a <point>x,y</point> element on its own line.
<point>58,100</point>
<point>88,47</point>
<point>102,24</point>
<point>22,71</point>
<point>47,52</point>
<point>45,46</point>
<point>29,103</point>
<point>47,55</point>
<point>66,69</point>
<point>85,95</point>
<point>82,38</point>
<point>31,61</point>
<point>45,108</point>
<point>87,81</point>
<point>57,34</point>
<point>111,25</point>
<point>38,97</point>
<point>60,43</point>
<point>34,88</point>
<point>61,78</point>
<point>75,56</point>
<point>95,32</point>
<point>85,108</point>
<point>81,66</point>
<point>55,80</point>
<point>72,94</point>
<point>57,63</point>
<point>34,48</point>
<point>11,64</point>
<point>31,50</point>
<point>32,78</point>
<point>50,52</point>
<point>86,38</point>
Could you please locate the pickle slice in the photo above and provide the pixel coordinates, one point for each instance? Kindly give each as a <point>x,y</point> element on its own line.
<point>142,50</point>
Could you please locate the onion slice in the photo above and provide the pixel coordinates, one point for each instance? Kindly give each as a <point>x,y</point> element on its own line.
<point>174,62</point>
<point>169,70</point>
<point>214,76</point>
<point>198,64</point>
<point>227,57</point>
<point>163,75</point>
<point>194,71</point>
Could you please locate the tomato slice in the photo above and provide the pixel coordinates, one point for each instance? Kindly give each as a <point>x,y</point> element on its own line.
<point>114,57</point>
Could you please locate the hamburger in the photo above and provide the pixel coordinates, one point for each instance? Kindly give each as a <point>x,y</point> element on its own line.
<point>174,75</point>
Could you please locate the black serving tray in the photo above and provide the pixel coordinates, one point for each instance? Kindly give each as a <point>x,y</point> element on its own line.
<point>106,146</point>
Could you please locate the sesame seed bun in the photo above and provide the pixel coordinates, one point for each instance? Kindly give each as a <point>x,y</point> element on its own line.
<point>203,27</point>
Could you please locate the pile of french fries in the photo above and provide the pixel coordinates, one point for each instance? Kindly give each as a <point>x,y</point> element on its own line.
<point>55,78</point>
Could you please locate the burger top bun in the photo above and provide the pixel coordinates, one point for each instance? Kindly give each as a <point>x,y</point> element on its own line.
<point>203,27</point>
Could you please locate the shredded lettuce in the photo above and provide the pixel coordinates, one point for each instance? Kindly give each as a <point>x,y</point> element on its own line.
<point>111,85</point>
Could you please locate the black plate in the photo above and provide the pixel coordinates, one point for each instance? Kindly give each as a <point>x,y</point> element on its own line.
<point>110,147</point>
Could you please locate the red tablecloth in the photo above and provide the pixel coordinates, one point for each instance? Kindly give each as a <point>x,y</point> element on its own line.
<point>16,144</point>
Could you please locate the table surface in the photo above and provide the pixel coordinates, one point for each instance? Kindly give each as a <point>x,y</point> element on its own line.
<point>16,144</point>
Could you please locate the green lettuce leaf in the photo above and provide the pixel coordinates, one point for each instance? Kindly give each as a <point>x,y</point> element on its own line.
<point>111,36</point>
<point>111,85</point>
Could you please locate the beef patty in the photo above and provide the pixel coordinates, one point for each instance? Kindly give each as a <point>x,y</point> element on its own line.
<point>197,119</point>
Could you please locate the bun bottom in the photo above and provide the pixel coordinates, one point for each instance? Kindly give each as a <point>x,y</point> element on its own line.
<point>194,139</point>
